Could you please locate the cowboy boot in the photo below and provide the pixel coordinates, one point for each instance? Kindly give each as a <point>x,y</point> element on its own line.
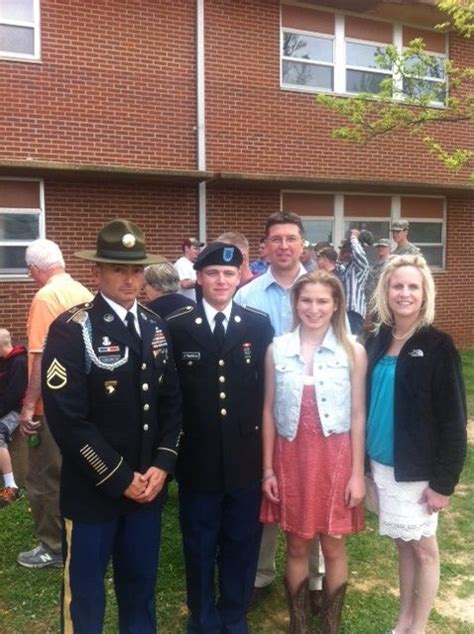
<point>332,609</point>
<point>298,605</point>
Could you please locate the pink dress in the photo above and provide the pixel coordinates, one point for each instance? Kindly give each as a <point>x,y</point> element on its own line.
<point>312,473</point>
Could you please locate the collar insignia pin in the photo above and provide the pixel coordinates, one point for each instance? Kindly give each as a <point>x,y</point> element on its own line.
<point>198,320</point>
<point>108,318</point>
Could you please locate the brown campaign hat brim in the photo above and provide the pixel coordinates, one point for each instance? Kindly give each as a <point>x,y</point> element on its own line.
<point>91,255</point>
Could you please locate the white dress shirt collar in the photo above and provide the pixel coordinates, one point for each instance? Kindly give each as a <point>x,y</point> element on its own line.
<point>122,312</point>
<point>211,312</point>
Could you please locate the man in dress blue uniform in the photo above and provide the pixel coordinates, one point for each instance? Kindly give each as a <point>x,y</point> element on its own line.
<point>219,350</point>
<point>112,399</point>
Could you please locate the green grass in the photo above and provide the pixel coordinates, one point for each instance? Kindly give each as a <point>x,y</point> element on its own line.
<point>29,599</point>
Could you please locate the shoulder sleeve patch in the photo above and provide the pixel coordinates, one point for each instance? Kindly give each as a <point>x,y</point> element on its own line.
<point>79,317</point>
<point>181,311</point>
<point>79,313</point>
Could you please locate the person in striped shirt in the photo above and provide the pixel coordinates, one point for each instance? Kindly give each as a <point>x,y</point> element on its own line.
<point>357,267</point>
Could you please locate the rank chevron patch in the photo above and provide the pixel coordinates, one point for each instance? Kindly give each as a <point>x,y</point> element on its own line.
<point>56,375</point>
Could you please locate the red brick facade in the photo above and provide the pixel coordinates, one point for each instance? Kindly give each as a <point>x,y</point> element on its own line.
<point>116,88</point>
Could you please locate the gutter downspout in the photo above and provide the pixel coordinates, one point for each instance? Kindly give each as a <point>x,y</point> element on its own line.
<point>201,122</point>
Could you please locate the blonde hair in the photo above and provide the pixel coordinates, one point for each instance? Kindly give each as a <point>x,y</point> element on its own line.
<point>379,303</point>
<point>338,319</point>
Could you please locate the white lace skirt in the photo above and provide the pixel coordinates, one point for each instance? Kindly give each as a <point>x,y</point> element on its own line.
<point>401,516</point>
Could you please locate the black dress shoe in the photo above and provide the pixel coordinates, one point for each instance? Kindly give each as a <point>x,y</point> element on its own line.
<point>315,601</point>
<point>258,595</point>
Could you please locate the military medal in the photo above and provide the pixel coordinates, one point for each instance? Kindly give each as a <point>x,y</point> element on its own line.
<point>159,344</point>
<point>247,348</point>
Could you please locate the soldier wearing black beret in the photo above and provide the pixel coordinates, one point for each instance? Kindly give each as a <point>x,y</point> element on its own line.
<point>112,400</point>
<point>219,350</point>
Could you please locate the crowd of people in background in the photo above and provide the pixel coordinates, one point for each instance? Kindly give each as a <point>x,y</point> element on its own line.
<point>250,382</point>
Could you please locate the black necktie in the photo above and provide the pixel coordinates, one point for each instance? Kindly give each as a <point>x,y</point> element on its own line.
<point>130,319</point>
<point>219,332</point>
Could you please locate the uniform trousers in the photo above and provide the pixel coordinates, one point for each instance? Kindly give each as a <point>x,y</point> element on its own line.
<point>266,571</point>
<point>133,543</point>
<point>42,486</point>
<point>223,531</point>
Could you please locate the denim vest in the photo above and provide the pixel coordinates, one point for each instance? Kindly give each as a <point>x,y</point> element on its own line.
<point>332,384</point>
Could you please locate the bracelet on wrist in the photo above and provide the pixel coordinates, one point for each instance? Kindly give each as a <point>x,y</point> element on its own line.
<point>268,476</point>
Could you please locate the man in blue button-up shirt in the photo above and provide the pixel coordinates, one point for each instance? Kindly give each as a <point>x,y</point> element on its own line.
<point>270,292</point>
<point>284,235</point>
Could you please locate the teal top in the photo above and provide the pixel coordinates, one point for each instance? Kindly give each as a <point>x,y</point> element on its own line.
<point>380,432</point>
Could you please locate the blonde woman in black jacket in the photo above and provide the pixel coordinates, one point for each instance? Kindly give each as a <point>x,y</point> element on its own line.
<point>416,428</point>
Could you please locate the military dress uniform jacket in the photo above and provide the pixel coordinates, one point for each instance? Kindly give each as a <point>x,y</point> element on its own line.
<point>221,448</point>
<point>113,406</point>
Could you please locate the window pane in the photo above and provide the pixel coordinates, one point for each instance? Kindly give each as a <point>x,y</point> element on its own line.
<point>379,229</point>
<point>19,226</point>
<point>360,81</point>
<point>16,39</point>
<point>364,55</point>
<point>433,255</point>
<point>318,49</point>
<point>303,74</point>
<point>318,230</point>
<point>418,88</point>
<point>425,232</point>
<point>17,10</point>
<point>433,68</point>
<point>12,260</point>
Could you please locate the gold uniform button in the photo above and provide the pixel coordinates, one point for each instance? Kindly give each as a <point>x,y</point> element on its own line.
<point>247,360</point>
<point>146,407</point>
<point>145,427</point>
<point>145,387</point>
<point>222,395</point>
<point>222,379</point>
<point>221,362</point>
<point>143,366</point>
<point>190,362</point>
<point>223,412</point>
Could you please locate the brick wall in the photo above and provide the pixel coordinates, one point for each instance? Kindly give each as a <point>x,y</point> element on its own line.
<point>455,299</point>
<point>116,85</point>
<point>75,214</point>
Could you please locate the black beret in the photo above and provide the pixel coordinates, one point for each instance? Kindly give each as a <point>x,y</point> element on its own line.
<point>219,253</point>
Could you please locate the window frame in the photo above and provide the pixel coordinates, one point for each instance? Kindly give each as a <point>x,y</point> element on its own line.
<point>40,211</point>
<point>340,66</point>
<point>36,26</point>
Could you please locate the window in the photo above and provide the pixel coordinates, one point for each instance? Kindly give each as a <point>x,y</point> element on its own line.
<point>424,75</point>
<point>307,60</point>
<point>330,217</point>
<point>343,53</point>
<point>318,230</point>
<point>21,222</point>
<point>363,73</point>
<point>425,78</point>
<point>427,226</point>
<point>19,29</point>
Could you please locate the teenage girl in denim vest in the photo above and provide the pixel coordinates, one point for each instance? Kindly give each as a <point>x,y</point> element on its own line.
<point>313,431</point>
